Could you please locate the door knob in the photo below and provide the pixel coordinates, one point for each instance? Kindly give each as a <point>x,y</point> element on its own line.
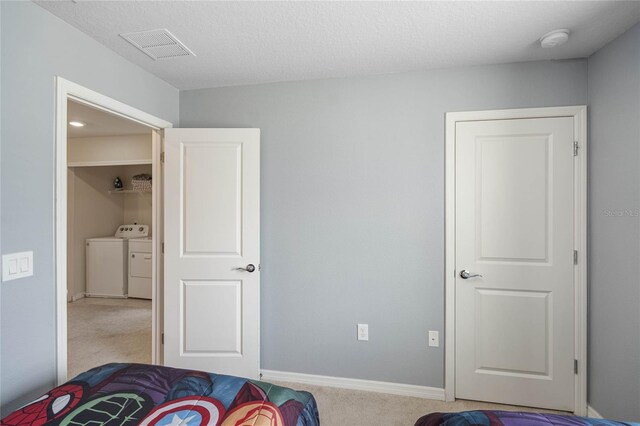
<point>466,274</point>
<point>250,268</point>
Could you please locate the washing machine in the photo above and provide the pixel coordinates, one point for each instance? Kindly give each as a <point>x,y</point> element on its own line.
<point>140,267</point>
<point>106,261</point>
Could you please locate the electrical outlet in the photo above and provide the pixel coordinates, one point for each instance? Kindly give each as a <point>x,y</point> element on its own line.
<point>434,339</point>
<point>363,331</point>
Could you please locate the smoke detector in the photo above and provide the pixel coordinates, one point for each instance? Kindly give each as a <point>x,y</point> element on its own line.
<point>554,38</point>
<point>158,44</point>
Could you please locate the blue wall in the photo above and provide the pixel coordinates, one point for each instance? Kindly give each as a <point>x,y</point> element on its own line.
<point>36,47</point>
<point>353,207</point>
<point>614,225</point>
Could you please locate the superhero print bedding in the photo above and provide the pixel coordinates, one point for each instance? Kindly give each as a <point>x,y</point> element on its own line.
<point>510,418</point>
<point>150,395</point>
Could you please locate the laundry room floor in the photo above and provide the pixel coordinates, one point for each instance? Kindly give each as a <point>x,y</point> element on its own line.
<point>102,330</point>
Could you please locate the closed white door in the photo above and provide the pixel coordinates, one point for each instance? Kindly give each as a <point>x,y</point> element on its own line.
<point>515,229</point>
<point>212,250</point>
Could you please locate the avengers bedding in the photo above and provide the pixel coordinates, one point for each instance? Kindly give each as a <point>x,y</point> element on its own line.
<point>138,394</point>
<point>509,418</point>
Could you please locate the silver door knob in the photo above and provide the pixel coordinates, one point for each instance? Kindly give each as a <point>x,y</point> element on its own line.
<point>466,274</point>
<point>249,268</point>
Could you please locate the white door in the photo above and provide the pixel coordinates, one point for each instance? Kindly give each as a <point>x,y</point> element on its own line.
<point>212,250</point>
<point>515,228</point>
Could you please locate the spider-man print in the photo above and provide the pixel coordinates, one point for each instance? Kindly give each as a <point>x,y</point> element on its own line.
<point>50,406</point>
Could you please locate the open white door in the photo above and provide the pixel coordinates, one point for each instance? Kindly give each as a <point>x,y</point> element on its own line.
<point>212,250</point>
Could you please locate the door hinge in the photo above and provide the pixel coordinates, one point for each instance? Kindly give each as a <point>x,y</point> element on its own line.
<point>575,148</point>
<point>575,257</point>
<point>162,248</point>
<point>162,157</point>
<point>575,366</point>
<point>162,338</point>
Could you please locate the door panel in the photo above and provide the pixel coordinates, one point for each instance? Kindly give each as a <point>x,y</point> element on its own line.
<point>212,228</point>
<point>514,226</point>
<point>519,346</point>
<point>212,203</point>
<point>219,304</point>
<point>513,176</point>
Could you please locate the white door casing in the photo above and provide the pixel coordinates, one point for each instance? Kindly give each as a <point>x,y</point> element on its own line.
<point>212,227</point>
<point>68,90</point>
<point>516,198</point>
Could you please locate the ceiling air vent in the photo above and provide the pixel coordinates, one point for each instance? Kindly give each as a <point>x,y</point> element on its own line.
<point>158,44</point>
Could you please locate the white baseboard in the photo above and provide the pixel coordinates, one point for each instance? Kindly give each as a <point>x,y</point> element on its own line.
<point>355,384</point>
<point>591,412</point>
<point>77,297</point>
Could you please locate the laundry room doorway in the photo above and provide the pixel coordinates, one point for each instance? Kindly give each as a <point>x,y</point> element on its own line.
<point>109,239</point>
<point>205,208</point>
<point>108,232</point>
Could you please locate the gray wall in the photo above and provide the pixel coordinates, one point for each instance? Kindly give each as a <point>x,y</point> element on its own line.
<point>36,46</point>
<point>353,206</point>
<point>614,203</point>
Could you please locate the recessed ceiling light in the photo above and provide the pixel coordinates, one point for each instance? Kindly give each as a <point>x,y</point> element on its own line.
<point>76,123</point>
<point>554,38</point>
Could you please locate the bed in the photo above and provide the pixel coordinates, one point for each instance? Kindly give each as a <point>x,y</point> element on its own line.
<point>139,394</point>
<point>510,418</point>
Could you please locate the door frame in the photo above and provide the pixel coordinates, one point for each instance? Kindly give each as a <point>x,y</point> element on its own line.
<point>66,90</point>
<point>579,114</point>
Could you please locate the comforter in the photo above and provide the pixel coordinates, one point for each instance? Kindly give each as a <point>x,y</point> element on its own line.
<point>509,418</point>
<point>138,394</point>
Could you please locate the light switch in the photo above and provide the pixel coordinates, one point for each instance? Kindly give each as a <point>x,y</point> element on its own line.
<point>24,264</point>
<point>17,265</point>
<point>13,266</point>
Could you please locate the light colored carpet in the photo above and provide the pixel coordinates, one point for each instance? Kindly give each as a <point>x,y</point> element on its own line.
<point>104,330</point>
<point>341,407</point>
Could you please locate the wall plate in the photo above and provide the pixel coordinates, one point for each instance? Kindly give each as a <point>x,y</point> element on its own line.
<point>17,265</point>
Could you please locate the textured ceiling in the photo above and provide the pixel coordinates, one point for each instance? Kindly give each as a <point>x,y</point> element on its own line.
<point>100,123</point>
<point>252,42</point>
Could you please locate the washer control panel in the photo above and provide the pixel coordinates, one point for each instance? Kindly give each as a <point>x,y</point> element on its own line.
<point>132,231</point>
